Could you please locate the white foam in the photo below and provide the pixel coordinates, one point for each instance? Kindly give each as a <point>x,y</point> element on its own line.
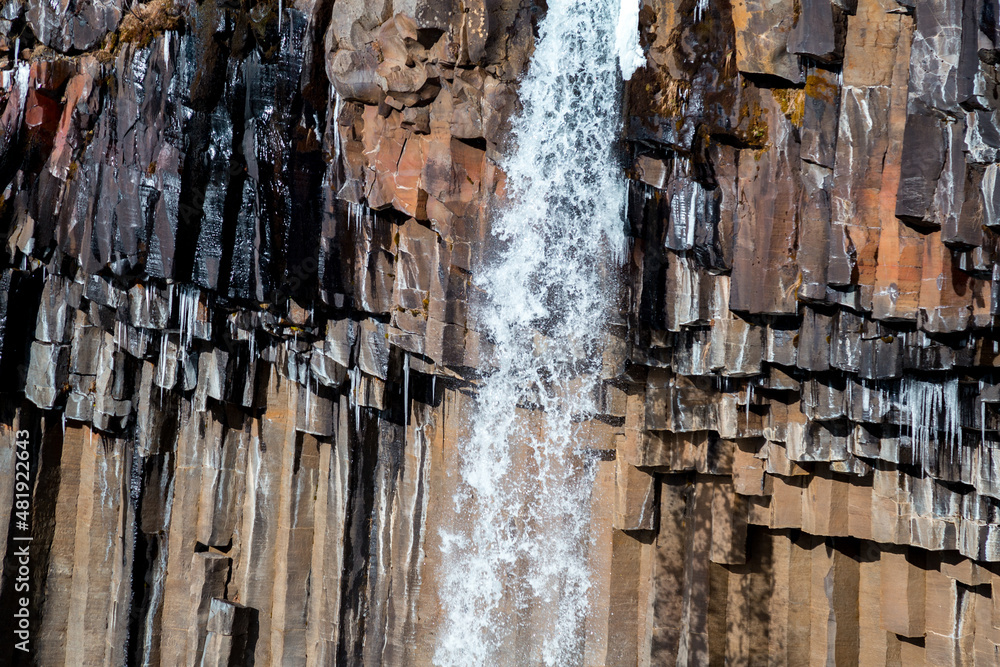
<point>516,578</point>
<point>630,57</point>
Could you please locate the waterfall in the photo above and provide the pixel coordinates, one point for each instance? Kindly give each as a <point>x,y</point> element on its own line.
<point>630,57</point>
<point>515,582</point>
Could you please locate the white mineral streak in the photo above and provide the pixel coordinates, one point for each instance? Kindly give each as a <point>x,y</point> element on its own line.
<point>933,412</point>
<point>337,106</point>
<point>187,314</point>
<point>21,79</point>
<point>630,56</point>
<point>515,582</point>
<point>699,10</point>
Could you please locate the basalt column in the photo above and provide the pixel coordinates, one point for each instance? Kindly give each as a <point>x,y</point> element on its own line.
<point>279,277</point>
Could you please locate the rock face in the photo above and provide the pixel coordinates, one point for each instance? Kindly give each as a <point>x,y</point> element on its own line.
<point>816,394</point>
<point>73,26</point>
<point>238,324</point>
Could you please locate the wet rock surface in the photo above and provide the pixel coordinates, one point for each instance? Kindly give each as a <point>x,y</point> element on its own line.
<point>836,371</point>
<point>73,25</point>
<point>238,320</point>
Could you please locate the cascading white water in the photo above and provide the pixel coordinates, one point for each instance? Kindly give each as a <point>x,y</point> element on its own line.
<point>515,586</point>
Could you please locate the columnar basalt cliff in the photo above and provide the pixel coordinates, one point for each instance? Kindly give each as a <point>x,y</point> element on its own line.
<point>242,268</point>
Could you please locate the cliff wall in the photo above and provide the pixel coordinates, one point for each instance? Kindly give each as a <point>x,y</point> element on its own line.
<point>238,325</point>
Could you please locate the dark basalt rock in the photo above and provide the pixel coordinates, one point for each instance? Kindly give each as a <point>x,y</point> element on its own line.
<point>238,316</point>
<point>819,31</point>
<point>923,160</point>
<point>73,25</point>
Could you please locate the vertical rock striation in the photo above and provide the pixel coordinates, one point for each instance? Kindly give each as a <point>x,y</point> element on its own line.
<point>818,362</point>
<point>249,322</point>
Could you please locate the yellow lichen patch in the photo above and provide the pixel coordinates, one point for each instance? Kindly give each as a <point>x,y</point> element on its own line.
<point>757,134</point>
<point>819,88</point>
<point>673,97</point>
<point>144,22</point>
<point>752,127</point>
<point>792,102</point>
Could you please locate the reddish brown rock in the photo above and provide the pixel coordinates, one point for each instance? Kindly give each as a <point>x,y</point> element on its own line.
<point>250,247</point>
